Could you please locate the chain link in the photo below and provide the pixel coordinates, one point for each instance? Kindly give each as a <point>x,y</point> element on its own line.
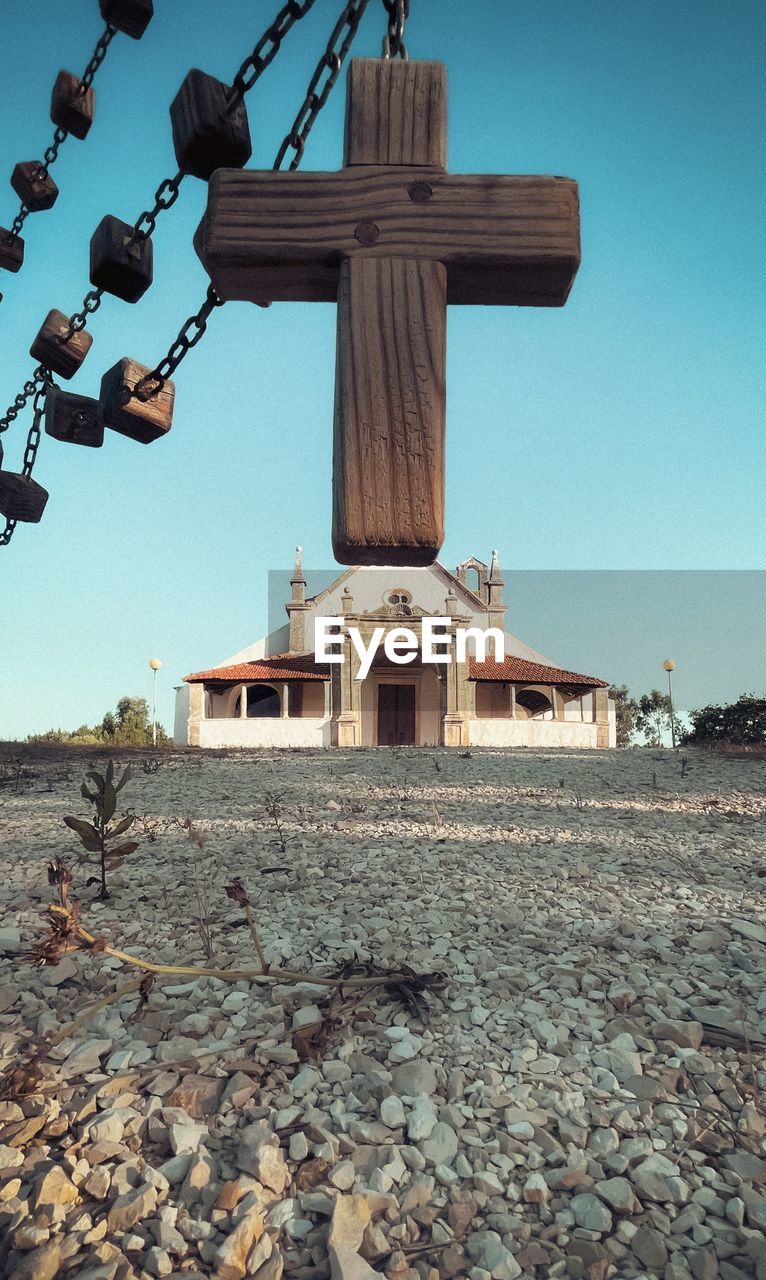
<point>30,387</point>
<point>164,198</point>
<point>60,135</point>
<point>329,65</point>
<point>152,383</point>
<point>38,385</point>
<point>90,304</point>
<point>393,45</point>
<point>322,82</point>
<point>266,49</point>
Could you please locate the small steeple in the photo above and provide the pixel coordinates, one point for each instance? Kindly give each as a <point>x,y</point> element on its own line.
<point>495,602</point>
<point>494,578</point>
<point>297,605</point>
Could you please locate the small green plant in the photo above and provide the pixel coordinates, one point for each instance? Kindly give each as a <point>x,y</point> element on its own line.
<point>98,836</point>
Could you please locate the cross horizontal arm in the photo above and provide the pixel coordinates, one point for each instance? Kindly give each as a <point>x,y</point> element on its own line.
<point>278,237</point>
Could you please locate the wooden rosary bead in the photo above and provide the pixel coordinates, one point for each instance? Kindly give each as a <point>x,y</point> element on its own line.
<point>141,420</point>
<point>36,190</point>
<point>21,497</point>
<point>74,419</point>
<point>131,17</point>
<point>206,136</point>
<point>70,109</point>
<point>11,250</point>
<point>52,351</point>
<point>118,263</point>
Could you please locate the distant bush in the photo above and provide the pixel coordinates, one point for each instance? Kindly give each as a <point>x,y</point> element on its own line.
<point>741,723</point>
<point>127,726</point>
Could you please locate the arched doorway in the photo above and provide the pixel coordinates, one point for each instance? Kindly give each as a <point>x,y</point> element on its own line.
<point>533,705</point>
<point>263,702</point>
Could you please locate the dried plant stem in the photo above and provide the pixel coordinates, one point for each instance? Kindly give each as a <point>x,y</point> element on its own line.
<point>254,936</point>
<point>69,1028</point>
<point>226,975</point>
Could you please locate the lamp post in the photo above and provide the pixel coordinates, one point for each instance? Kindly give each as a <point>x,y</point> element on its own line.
<point>155,665</point>
<point>669,665</point>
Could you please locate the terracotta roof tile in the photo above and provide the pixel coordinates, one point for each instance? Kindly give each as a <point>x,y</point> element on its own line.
<point>283,666</point>
<point>518,670</point>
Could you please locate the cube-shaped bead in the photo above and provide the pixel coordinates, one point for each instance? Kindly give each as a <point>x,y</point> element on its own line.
<point>11,250</point>
<point>206,137</point>
<point>36,190</point>
<point>132,17</point>
<point>74,419</point>
<point>141,420</point>
<point>54,350</point>
<point>118,263</point>
<point>70,109</point>
<point>21,497</point>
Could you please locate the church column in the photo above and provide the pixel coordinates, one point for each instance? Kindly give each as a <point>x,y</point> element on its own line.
<point>455,722</point>
<point>196,713</point>
<point>243,702</point>
<point>327,698</point>
<point>557,704</point>
<point>285,701</point>
<point>601,704</point>
<point>348,725</point>
<point>513,701</point>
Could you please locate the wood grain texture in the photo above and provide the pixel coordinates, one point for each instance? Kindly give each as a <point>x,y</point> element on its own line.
<point>396,113</point>
<point>206,136</point>
<point>73,419</point>
<point>50,350</point>
<point>21,497</point>
<point>388,485</point>
<point>70,109</point>
<point>36,190</point>
<point>141,421</point>
<point>120,263</point>
<point>11,251</point>
<point>507,240</point>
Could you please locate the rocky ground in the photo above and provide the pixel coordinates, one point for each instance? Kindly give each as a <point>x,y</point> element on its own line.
<point>581,1094</point>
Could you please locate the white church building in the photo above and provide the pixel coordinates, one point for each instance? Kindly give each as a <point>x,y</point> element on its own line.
<point>276,693</point>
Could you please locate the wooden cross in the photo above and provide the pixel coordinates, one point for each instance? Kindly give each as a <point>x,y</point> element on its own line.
<point>393,238</point>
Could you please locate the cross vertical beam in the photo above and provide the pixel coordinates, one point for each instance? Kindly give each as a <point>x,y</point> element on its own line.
<point>388,463</point>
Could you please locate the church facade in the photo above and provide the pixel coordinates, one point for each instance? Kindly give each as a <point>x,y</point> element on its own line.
<point>276,693</point>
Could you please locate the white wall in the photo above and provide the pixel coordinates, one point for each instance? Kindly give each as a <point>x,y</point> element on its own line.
<point>531,733</point>
<point>302,732</point>
<point>181,720</point>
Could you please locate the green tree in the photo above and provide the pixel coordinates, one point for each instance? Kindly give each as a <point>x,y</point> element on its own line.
<point>740,723</point>
<point>626,711</point>
<point>653,719</point>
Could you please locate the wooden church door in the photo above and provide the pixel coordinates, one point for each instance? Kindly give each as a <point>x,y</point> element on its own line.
<point>396,715</point>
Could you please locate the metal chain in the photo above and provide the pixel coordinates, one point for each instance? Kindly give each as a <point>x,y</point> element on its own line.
<point>393,45</point>
<point>30,387</point>
<point>266,49</point>
<point>60,135</point>
<point>331,62</point>
<point>252,68</point>
<point>152,383</point>
<point>329,66</point>
<point>164,198</point>
<point>90,304</point>
<point>34,437</point>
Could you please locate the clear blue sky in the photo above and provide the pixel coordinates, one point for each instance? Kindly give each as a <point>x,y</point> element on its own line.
<point>622,432</point>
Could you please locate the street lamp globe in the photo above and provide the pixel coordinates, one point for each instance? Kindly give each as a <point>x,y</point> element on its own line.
<point>155,665</point>
<point>669,665</point>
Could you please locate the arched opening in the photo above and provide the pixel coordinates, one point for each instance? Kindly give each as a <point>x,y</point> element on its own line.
<point>533,705</point>
<point>263,702</point>
<point>473,579</point>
